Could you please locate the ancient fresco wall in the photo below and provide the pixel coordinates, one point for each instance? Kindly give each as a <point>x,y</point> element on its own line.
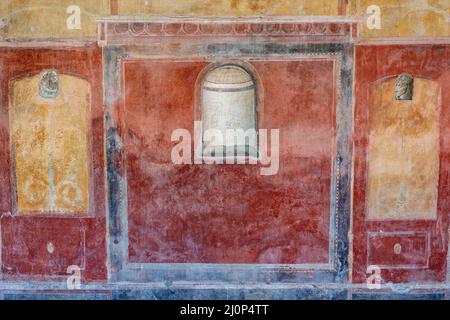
<point>32,19</point>
<point>227,213</point>
<point>52,199</point>
<point>49,18</point>
<point>403,18</point>
<point>403,155</point>
<point>400,199</point>
<point>228,7</point>
<point>50,145</point>
<point>91,93</point>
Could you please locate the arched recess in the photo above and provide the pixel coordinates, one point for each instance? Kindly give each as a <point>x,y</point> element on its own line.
<point>229,95</point>
<point>403,151</point>
<point>49,137</point>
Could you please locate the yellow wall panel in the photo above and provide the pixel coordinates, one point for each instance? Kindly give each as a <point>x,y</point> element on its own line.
<point>49,139</point>
<point>404,18</point>
<point>229,7</point>
<point>403,155</point>
<point>48,18</point>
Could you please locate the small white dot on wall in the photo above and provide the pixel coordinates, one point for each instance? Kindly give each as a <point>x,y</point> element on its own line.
<point>146,2</point>
<point>397,248</point>
<point>50,248</point>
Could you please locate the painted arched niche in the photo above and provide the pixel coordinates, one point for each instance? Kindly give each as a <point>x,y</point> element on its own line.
<point>228,96</point>
<point>49,143</point>
<point>403,152</point>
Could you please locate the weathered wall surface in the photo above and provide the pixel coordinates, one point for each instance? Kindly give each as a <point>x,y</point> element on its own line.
<point>45,228</point>
<point>229,7</point>
<point>50,142</point>
<point>88,171</point>
<point>403,152</point>
<point>34,19</point>
<point>404,18</point>
<point>411,247</point>
<point>229,213</point>
<point>48,18</point>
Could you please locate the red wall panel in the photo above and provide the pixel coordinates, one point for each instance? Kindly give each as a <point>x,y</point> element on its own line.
<point>424,242</point>
<point>25,238</point>
<point>229,213</point>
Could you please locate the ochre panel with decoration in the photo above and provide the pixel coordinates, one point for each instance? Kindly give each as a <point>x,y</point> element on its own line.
<point>403,155</point>
<point>401,163</point>
<point>50,145</point>
<point>50,18</point>
<point>52,173</point>
<point>403,18</point>
<point>229,7</point>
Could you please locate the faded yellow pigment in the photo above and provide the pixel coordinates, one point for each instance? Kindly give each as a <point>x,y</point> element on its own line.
<point>229,7</point>
<point>403,156</point>
<point>404,18</point>
<point>48,18</point>
<point>49,140</point>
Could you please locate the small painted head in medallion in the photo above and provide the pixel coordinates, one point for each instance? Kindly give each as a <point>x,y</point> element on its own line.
<point>49,84</point>
<point>404,87</point>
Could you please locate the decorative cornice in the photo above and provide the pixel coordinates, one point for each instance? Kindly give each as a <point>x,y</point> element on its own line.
<point>138,29</point>
<point>227,19</point>
<point>229,29</point>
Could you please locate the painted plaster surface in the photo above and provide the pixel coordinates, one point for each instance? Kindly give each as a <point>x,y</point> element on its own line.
<point>41,245</point>
<point>229,213</point>
<point>229,7</point>
<point>87,179</point>
<point>41,248</point>
<point>401,18</point>
<point>48,18</point>
<point>403,153</point>
<point>410,246</point>
<point>50,145</point>
<point>228,102</point>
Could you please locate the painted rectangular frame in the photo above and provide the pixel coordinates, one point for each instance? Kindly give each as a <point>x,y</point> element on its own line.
<point>426,234</point>
<point>430,61</point>
<point>85,63</point>
<point>315,42</point>
<point>14,193</point>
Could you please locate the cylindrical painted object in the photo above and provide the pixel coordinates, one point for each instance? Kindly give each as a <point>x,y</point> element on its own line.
<point>229,113</point>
